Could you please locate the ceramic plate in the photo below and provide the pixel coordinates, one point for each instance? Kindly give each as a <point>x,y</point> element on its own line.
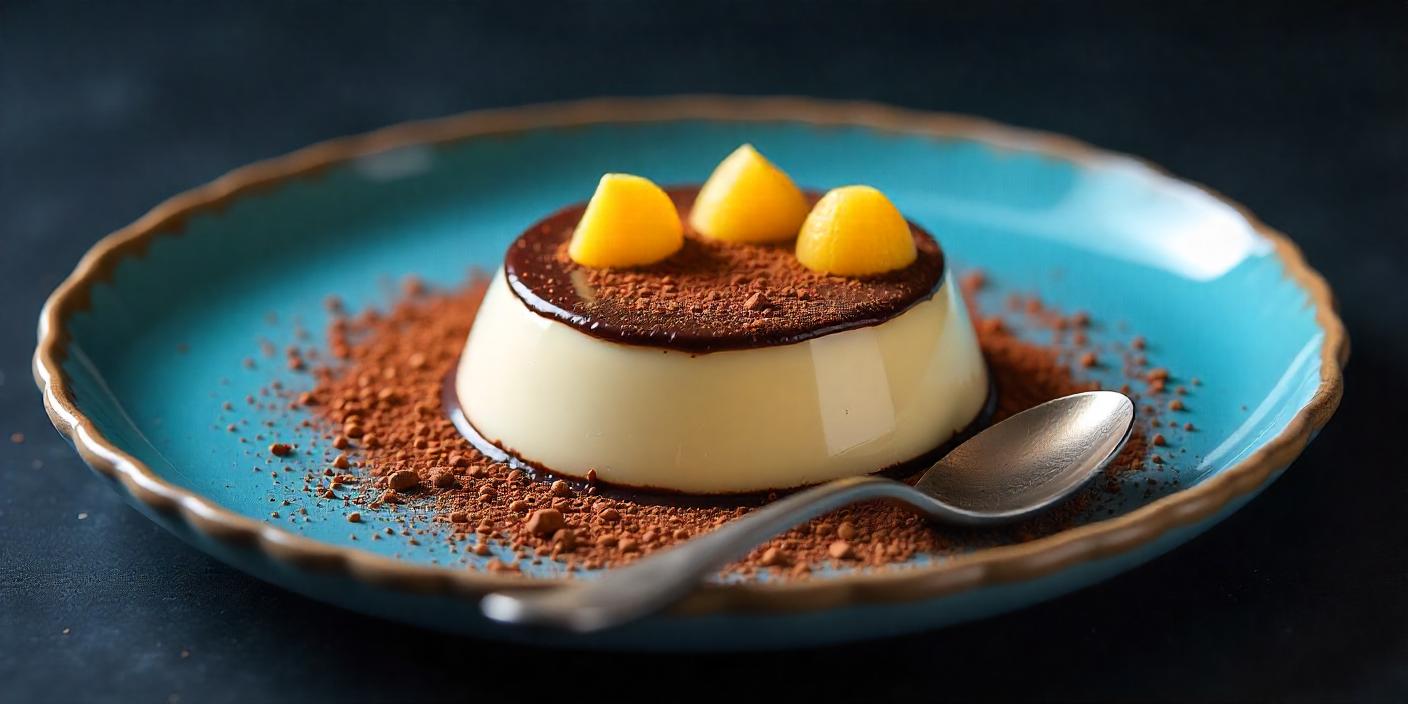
<point>142,344</point>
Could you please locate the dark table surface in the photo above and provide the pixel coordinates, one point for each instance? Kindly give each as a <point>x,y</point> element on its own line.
<point>106,108</point>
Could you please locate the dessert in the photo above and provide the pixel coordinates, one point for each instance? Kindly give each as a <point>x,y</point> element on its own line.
<point>370,424</point>
<point>710,354</point>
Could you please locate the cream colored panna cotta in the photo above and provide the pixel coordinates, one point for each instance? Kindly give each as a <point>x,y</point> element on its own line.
<point>710,363</point>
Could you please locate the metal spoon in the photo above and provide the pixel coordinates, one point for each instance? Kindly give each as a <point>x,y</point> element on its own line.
<point>1011,470</point>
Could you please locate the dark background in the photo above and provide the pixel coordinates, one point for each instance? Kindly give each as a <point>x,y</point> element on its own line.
<point>106,108</point>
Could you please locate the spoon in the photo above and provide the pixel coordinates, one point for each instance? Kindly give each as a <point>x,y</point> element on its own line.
<point>1009,471</point>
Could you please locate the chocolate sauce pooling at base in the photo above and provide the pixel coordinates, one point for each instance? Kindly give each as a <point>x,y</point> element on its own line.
<point>711,295</point>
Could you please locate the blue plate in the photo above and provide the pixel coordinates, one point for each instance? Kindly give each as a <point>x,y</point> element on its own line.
<point>144,342</point>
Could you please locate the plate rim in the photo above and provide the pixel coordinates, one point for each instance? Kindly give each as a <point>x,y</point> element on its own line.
<point>986,567</point>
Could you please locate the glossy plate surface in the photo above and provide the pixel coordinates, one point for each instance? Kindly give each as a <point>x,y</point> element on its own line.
<point>142,345</point>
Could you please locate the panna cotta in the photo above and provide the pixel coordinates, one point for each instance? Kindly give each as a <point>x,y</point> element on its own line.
<point>716,364</point>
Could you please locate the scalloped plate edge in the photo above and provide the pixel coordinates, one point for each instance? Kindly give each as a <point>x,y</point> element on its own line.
<point>991,566</point>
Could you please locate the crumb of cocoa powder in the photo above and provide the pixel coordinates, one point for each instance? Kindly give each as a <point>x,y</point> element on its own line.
<point>377,406</point>
<point>545,522</point>
<point>402,480</point>
<point>772,557</point>
<point>973,281</point>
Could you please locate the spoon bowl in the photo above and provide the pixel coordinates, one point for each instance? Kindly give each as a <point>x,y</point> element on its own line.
<point>1013,469</point>
<point>1032,460</point>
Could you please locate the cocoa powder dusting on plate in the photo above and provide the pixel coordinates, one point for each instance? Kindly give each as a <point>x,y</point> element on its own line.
<point>376,400</point>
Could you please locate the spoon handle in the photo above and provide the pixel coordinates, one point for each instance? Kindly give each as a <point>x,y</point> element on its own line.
<point>659,580</point>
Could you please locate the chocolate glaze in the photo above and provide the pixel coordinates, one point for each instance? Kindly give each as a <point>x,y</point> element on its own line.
<point>701,299</point>
<point>449,400</point>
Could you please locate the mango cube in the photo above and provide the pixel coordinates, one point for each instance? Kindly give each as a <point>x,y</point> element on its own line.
<point>748,199</point>
<point>855,231</point>
<point>629,222</point>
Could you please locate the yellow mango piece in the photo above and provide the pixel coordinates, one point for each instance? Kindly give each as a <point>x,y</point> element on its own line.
<point>629,222</point>
<point>855,231</point>
<point>748,199</point>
